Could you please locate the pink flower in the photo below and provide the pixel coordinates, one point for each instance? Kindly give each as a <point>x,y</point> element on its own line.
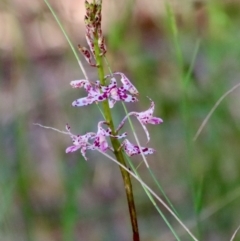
<point>127,85</point>
<point>115,93</point>
<point>145,117</point>
<point>132,150</point>
<point>100,138</point>
<point>98,92</point>
<point>94,93</point>
<point>83,142</point>
<point>80,142</point>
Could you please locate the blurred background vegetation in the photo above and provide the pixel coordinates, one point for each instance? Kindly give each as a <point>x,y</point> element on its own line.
<point>46,195</point>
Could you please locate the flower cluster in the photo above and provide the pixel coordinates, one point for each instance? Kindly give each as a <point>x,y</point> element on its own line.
<point>113,92</point>
<point>97,92</point>
<point>83,142</point>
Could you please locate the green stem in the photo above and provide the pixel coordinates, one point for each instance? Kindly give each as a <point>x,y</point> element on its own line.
<point>118,153</point>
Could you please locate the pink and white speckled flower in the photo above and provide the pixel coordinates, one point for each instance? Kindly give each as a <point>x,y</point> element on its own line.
<point>145,117</point>
<point>127,85</point>
<point>80,142</point>
<point>100,141</point>
<point>94,93</point>
<point>115,93</point>
<point>84,142</point>
<point>132,150</point>
<point>98,92</point>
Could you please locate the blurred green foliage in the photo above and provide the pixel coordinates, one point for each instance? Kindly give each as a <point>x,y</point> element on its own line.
<point>48,195</point>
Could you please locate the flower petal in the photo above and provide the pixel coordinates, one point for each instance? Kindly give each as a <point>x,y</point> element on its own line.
<point>126,97</point>
<point>86,53</point>
<point>102,45</point>
<point>80,142</point>
<point>72,148</point>
<point>127,83</point>
<point>84,101</point>
<point>79,83</point>
<point>111,103</point>
<point>101,143</point>
<point>146,116</point>
<point>83,152</point>
<point>132,150</point>
<point>155,121</point>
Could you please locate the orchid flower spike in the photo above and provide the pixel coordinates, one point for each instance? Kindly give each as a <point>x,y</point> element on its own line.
<point>145,117</point>
<point>132,150</point>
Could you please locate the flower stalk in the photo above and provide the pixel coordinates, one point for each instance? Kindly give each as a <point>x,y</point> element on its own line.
<point>115,144</point>
<point>97,46</point>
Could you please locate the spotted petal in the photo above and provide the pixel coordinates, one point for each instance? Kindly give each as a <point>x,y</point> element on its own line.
<point>84,101</point>
<point>86,53</point>
<point>94,95</point>
<point>126,97</point>
<point>144,118</point>
<point>100,141</point>
<point>82,83</point>
<point>117,94</point>
<point>79,83</point>
<point>72,148</point>
<point>127,85</point>
<point>132,150</point>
